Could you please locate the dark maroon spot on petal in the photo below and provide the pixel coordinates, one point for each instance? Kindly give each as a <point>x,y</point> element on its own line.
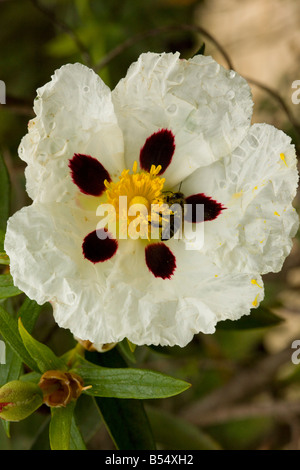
<point>88,174</point>
<point>160,260</point>
<point>158,150</point>
<point>212,208</point>
<point>98,246</point>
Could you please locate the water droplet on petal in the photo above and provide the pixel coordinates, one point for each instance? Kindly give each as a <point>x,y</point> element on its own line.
<point>86,89</point>
<point>179,78</point>
<point>212,69</point>
<point>232,74</point>
<point>172,109</point>
<point>230,94</point>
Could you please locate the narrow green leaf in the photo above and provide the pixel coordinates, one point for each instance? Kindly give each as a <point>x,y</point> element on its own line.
<point>11,335</point>
<point>60,427</point>
<point>128,383</point>
<point>6,427</point>
<point>9,371</point>
<point>126,420</point>
<point>201,50</point>
<point>12,368</point>
<point>175,433</point>
<point>4,259</point>
<point>29,313</point>
<point>42,355</point>
<point>87,417</point>
<point>13,365</point>
<point>2,237</point>
<point>132,346</point>
<point>7,288</point>
<point>127,423</point>
<point>41,438</point>
<point>126,350</point>
<point>4,194</point>
<point>76,441</point>
<point>259,318</point>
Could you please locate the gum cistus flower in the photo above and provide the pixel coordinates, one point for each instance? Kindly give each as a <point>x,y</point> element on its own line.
<point>173,132</point>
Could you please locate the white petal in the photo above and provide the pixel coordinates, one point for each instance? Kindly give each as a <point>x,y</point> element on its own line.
<point>207,108</point>
<point>120,298</point>
<point>257,185</point>
<point>74,114</point>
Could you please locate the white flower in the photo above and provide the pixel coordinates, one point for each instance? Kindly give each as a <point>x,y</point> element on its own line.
<point>191,120</point>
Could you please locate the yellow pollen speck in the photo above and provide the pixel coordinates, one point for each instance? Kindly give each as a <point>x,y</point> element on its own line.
<point>255,188</point>
<point>255,283</point>
<point>282,157</point>
<point>237,195</point>
<point>254,303</point>
<point>276,213</point>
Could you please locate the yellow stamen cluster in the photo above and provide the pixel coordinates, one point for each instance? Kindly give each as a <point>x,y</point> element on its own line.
<point>140,188</point>
<point>143,188</point>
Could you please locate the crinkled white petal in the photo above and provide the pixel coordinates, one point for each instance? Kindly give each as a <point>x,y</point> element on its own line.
<point>207,108</point>
<point>257,185</point>
<point>119,298</point>
<point>74,114</point>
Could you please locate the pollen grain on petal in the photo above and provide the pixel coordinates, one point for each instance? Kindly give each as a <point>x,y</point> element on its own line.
<point>99,246</point>
<point>158,150</point>
<point>160,260</point>
<point>88,174</point>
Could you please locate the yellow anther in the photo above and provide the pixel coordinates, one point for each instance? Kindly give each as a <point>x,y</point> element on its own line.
<point>254,282</point>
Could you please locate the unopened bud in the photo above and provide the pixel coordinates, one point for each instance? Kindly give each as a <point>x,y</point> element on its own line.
<point>100,347</point>
<point>18,400</point>
<point>59,388</point>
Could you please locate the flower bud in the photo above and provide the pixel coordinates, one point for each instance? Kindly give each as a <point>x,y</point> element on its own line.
<point>100,347</point>
<point>18,400</point>
<point>59,388</point>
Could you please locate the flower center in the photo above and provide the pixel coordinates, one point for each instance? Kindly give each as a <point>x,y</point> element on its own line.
<point>141,190</point>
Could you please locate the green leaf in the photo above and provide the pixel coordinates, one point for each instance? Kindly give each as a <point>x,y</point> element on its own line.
<point>4,194</point>
<point>9,371</point>
<point>175,433</point>
<point>201,50</point>
<point>125,420</point>
<point>7,288</point>
<point>29,313</point>
<point>11,335</point>
<point>259,318</point>
<point>126,350</point>
<point>87,417</point>
<point>4,259</point>
<point>128,383</point>
<point>42,355</point>
<point>13,365</point>
<point>127,423</point>
<point>60,427</point>
<point>76,441</point>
